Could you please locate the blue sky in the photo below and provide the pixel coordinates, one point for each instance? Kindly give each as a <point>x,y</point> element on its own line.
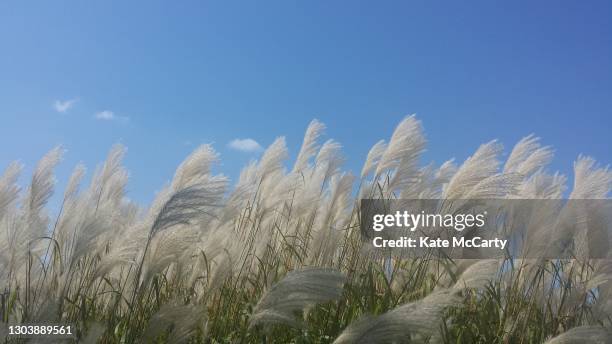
<point>163,77</point>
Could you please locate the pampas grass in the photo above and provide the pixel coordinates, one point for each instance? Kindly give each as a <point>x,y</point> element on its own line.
<point>583,335</point>
<point>296,291</point>
<point>278,256</point>
<point>414,321</point>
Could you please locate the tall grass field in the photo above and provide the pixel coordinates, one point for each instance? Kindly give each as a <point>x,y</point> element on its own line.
<point>278,257</point>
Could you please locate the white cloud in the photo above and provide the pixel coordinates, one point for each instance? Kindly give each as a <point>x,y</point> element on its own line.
<point>63,106</point>
<point>107,115</point>
<point>245,145</point>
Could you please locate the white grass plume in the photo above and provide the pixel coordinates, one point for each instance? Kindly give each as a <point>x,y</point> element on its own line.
<point>400,325</point>
<point>334,215</point>
<point>34,220</point>
<point>296,291</point>
<point>72,188</point>
<point>182,321</point>
<point>406,175</point>
<point>583,335</point>
<point>9,190</point>
<point>273,158</point>
<point>407,143</point>
<point>433,186</point>
<point>528,156</point>
<point>602,273</point>
<point>87,233</point>
<point>198,164</point>
<point>478,274</point>
<point>309,145</point>
<point>189,204</point>
<point>543,186</point>
<point>590,181</point>
<point>43,181</point>
<point>373,158</point>
<point>121,252</point>
<point>496,186</point>
<point>111,166</point>
<point>481,165</point>
<point>330,158</point>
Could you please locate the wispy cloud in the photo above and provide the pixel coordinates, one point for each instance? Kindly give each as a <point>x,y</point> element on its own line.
<point>107,115</point>
<point>245,145</point>
<point>64,106</point>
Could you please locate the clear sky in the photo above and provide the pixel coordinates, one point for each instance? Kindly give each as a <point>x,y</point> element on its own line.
<point>163,77</point>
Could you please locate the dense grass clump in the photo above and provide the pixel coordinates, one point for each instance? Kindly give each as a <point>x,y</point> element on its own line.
<point>278,258</point>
